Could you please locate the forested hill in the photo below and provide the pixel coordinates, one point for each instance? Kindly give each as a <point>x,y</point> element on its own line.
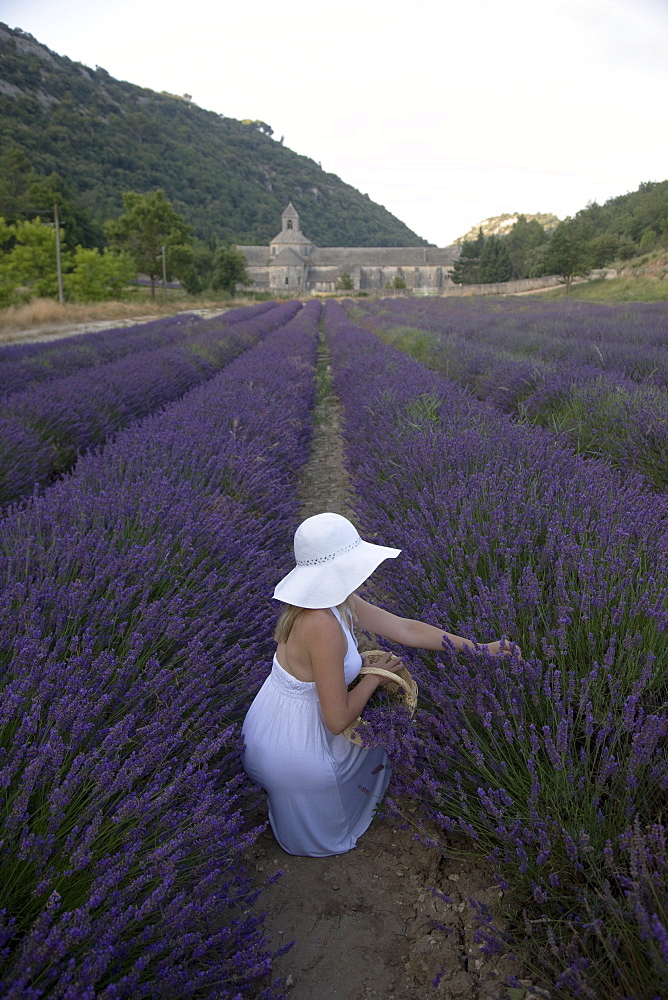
<point>228,178</point>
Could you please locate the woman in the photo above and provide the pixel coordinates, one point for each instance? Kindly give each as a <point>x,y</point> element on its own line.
<point>323,790</point>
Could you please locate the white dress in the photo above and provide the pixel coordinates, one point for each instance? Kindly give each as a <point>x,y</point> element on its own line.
<point>312,777</point>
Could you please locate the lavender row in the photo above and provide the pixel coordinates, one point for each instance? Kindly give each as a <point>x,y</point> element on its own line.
<point>22,365</point>
<point>603,414</point>
<point>629,340</point>
<point>554,764</point>
<point>44,428</point>
<point>136,627</point>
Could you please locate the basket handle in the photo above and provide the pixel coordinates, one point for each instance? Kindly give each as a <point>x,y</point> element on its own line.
<point>381,672</point>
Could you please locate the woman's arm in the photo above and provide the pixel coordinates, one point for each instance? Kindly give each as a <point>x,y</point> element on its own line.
<point>324,640</point>
<point>410,632</point>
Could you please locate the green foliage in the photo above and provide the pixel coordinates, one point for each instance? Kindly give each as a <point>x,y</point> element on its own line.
<point>597,235</point>
<point>148,224</point>
<point>465,270</point>
<point>423,412</point>
<point>398,282</point>
<point>569,253</point>
<point>603,249</point>
<point>98,276</point>
<point>526,243</point>
<point>259,125</point>
<point>195,266</point>
<point>16,174</point>
<point>7,285</point>
<point>25,194</point>
<point>630,216</point>
<point>227,179</point>
<point>7,234</point>
<point>648,240</point>
<point>345,283</point>
<point>229,269</point>
<point>495,263</point>
<point>30,265</point>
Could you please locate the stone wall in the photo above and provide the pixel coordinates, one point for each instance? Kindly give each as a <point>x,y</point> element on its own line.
<point>419,281</point>
<point>287,278</point>
<point>504,287</point>
<point>425,280</point>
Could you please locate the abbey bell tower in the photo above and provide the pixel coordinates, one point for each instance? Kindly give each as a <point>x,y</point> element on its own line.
<point>291,237</point>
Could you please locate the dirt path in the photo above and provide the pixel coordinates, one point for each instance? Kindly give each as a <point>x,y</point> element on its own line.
<point>363,922</point>
<point>56,331</point>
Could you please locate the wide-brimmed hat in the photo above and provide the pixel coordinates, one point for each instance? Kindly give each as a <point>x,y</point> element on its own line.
<point>332,561</point>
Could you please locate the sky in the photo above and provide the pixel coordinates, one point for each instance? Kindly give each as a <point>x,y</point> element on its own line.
<point>444,112</point>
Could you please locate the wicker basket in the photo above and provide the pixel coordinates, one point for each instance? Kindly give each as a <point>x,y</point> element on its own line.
<point>401,689</point>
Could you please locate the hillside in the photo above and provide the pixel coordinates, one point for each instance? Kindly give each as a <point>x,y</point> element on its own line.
<point>500,225</point>
<point>228,178</point>
<point>639,219</point>
<point>631,223</point>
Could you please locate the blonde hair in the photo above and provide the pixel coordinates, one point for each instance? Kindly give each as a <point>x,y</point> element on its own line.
<point>291,613</point>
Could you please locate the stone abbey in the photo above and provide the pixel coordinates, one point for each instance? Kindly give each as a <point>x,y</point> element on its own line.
<point>292,263</point>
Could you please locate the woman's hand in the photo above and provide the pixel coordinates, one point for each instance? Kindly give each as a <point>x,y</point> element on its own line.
<point>388,662</point>
<point>509,648</point>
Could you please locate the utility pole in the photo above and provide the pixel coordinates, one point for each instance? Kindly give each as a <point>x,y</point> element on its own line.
<point>164,271</point>
<point>59,266</point>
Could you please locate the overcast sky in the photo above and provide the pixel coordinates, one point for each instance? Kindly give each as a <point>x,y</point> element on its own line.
<point>445,112</point>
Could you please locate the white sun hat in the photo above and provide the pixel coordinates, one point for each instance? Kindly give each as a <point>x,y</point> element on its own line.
<point>332,561</point>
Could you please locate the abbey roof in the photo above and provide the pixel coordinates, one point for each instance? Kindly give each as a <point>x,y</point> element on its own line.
<point>286,257</point>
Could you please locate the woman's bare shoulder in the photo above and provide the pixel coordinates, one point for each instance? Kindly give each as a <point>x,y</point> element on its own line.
<point>318,623</point>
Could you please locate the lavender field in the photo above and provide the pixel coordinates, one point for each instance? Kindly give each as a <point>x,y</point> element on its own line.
<point>596,374</point>
<point>74,396</point>
<point>553,764</point>
<point>136,625</point>
<point>137,620</point>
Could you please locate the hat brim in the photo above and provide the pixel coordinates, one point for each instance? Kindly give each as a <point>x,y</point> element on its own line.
<point>329,583</point>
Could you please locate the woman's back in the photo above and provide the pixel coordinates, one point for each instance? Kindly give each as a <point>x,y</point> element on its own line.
<point>294,653</point>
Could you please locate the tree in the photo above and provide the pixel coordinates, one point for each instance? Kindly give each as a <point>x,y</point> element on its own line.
<point>465,270</point>
<point>148,224</point>
<point>495,263</point>
<point>7,281</point>
<point>534,262</point>
<point>98,276</point>
<point>664,232</point>
<point>45,192</point>
<point>522,241</point>
<point>569,253</point>
<point>648,240</point>
<point>603,249</point>
<point>195,266</point>
<point>32,260</point>
<point>345,283</point>
<point>229,269</point>
<point>16,176</point>
<point>25,194</point>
